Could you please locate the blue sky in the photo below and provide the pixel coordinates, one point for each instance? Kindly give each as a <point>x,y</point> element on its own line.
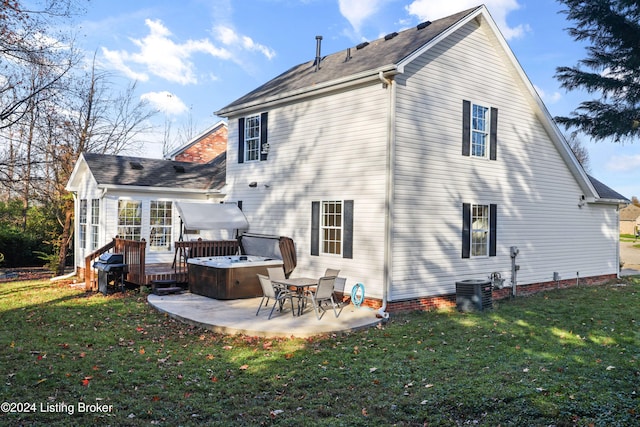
<point>192,57</point>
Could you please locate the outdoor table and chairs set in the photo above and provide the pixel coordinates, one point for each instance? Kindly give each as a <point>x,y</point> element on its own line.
<point>303,290</point>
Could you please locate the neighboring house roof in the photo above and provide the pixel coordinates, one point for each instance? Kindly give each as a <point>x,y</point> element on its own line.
<point>630,213</point>
<point>382,54</point>
<point>110,171</point>
<point>195,140</point>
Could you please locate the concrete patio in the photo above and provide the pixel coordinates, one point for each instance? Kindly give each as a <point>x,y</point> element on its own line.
<point>239,316</point>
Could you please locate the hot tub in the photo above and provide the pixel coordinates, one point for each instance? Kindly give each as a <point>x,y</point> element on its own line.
<point>229,277</point>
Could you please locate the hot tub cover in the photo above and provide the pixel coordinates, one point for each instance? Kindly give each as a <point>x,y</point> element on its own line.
<point>211,216</point>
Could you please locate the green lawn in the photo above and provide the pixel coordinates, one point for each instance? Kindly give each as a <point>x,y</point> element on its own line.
<point>567,357</point>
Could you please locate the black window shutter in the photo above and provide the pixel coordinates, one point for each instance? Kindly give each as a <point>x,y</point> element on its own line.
<point>493,218</point>
<point>241,140</point>
<point>493,135</point>
<point>466,128</point>
<point>347,243</point>
<point>263,135</point>
<point>315,228</point>
<point>466,230</point>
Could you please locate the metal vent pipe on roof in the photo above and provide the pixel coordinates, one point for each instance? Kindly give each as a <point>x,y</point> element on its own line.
<point>318,57</point>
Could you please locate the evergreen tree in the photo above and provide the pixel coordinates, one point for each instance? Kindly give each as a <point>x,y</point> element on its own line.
<point>611,71</point>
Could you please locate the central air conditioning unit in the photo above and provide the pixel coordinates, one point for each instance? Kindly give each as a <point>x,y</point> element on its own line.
<point>474,294</point>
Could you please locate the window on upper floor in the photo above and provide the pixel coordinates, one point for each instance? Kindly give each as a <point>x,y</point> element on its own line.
<point>479,130</point>
<point>252,138</point>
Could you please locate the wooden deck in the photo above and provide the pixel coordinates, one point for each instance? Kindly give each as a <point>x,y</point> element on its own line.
<point>163,272</point>
<point>141,274</point>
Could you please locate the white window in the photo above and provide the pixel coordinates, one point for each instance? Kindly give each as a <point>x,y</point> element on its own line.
<point>82,221</point>
<point>479,130</point>
<point>160,218</point>
<point>331,227</point>
<point>95,223</point>
<point>252,138</point>
<point>129,219</point>
<point>479,230</point>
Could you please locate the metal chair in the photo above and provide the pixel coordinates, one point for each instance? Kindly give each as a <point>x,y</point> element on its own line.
<point>276,273</point>
<point>331,272</point>
<point>323,294</point>
<point>279,295</point>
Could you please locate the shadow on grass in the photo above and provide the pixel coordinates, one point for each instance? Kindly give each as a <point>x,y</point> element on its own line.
<point>567,357</point>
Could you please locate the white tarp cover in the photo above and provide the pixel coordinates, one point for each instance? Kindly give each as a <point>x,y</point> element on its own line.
<point>211,216</point>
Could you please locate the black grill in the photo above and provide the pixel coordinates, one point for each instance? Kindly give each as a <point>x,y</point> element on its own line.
<point>111,272</point>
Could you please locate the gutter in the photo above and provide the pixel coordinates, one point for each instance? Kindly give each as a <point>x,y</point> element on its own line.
<point>315,89</point>
<point>389,84</point>
<point>148,189</point>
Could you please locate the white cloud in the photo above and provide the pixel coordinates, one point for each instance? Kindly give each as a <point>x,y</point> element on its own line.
<point>499,9</point>
<point>356,11</point>
<point>624,163</point>
<point>165,102</point>
<point>229,37</point>
<point>158,54</point>
<point>548,99</point>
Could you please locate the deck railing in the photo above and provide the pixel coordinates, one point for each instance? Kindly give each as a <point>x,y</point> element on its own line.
<point>201,248</point>
<point>134,256</point>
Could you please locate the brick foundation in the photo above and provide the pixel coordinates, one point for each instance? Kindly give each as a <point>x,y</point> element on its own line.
<point>446,301</point>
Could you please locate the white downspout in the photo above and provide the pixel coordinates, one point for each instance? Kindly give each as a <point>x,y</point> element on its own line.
<point>390,154</point>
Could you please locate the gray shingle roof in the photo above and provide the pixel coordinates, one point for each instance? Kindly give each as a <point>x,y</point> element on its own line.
<point>606,192</point>
<point>139,171</point>
<point>378,53</point>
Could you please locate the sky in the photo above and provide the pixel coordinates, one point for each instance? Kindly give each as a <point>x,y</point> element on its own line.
<point>190,58</point>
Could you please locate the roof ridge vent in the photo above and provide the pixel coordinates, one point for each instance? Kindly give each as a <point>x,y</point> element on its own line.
<point>390,35</point>
<point>136,165</point>
<point>362,45</point>
<point>424,24</point>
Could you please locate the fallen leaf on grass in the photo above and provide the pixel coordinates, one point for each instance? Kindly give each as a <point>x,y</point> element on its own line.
<point>244,367</point>
<point>275,413</point>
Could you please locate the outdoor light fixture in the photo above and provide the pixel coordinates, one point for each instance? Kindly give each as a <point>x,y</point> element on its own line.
<point>253,184</point>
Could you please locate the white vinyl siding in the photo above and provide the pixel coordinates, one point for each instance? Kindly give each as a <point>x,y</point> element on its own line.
<point>316,153</point>
<point>531,183</point>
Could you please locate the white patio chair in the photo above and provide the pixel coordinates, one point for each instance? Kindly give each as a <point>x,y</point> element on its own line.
<point>323,294</point>
<point>279,295</point>
<point>276,273</point>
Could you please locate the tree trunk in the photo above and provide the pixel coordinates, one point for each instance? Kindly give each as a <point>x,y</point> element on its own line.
<point>64,242</point>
